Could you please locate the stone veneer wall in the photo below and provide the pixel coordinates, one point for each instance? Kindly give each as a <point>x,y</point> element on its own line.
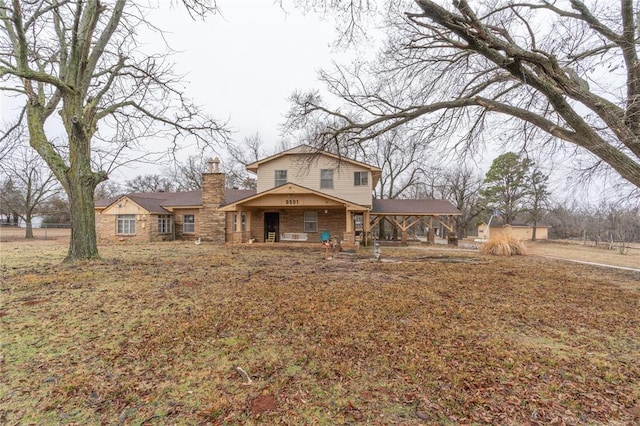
<point>212,221</point>
<point>146,229</point>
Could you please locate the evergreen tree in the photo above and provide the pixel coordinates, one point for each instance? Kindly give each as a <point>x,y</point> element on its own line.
<point>506,185</point>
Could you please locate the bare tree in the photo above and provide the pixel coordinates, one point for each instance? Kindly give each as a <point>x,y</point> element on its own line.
<point>461,186</point>
<point>80,61</point>
<point>108,189</point>
<point>149,183</point>
<point>249,150</point>
<point>55,211</point>
<point>187,175</point>
<point>31,182</point>
<point>10,137</point>
<point>402,160</point>
<point>528,71</point>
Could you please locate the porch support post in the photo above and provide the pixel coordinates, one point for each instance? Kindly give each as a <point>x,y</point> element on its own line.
<point>431,235</point>
<point>404,236</point>
<point>366,227</point>
<point>453,236</point>
<point>248,213</point>
<point>349,236</point>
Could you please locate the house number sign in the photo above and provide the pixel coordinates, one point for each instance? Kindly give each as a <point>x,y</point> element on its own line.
<point>291,201</point>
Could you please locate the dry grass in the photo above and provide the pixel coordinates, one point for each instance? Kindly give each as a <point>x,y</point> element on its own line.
<point>153,334</point>
<point>587,253</point>
<point>504,246</point>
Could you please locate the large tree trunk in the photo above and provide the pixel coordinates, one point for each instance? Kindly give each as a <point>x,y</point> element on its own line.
<point>80,187</point>
<point>29,228</point>
<point>83,244</point>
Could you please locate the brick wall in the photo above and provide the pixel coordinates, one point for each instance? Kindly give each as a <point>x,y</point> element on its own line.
<point>107,227</point>
<point>291,221</point>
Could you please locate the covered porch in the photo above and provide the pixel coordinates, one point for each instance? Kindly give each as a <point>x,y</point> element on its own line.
<point>292,213</point>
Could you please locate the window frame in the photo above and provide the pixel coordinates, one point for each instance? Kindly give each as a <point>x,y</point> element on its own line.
<point>164,224</point>
<point>360,178</point>
<point>280,180</point>
<point>310,221</point>
<point>326,182</point>
<point>188,224</point>
<point>127,221</point>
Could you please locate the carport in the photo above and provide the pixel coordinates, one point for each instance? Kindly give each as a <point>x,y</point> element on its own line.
<point>405,214</point>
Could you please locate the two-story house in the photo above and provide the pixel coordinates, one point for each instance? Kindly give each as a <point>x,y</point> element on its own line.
<point>302,195</point>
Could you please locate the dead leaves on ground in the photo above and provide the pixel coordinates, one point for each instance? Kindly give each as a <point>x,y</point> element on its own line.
<point>157,336</point>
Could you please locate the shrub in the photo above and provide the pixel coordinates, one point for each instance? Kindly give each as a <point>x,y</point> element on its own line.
<point>504,245</point>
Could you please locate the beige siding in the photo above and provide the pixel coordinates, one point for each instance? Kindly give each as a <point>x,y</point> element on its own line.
<point>304,170</point>
<point>519,232</point>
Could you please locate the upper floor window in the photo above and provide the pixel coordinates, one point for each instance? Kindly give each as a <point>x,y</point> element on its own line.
<point>326,179</point>
<point>164,224</point>
<point>189,224</point>
<point>360,178</point>
<point>126,224</point>
<point>281,177</point>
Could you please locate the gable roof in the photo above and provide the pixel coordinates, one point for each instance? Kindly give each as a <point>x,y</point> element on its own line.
<point>500,224</point>
<point>233,195</point>
<point>414,207</point>
<point>290,187</point>
<point>157,202</point>
<point>519,222</point>
<point>307,149</point>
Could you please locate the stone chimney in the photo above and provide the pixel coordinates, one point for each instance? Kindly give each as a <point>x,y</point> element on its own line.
<point>212,221</point>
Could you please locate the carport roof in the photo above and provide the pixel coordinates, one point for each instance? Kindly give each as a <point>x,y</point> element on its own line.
<point>406,207</point>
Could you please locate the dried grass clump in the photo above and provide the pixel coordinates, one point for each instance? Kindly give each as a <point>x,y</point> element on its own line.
<point>504,245</point>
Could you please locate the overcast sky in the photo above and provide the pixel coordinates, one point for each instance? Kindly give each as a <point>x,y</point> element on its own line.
<point>244,64</point>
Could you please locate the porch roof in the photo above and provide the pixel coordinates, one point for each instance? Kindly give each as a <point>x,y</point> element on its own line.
<point>404,207</point>
<point>290,189</point>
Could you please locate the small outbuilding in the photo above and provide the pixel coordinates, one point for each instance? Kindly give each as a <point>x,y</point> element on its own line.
<point>519,230</point>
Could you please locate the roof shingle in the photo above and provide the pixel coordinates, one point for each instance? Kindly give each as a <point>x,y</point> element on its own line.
<point>414,207</point>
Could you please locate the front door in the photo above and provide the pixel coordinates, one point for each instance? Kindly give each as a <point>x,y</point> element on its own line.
<point>272,224</point>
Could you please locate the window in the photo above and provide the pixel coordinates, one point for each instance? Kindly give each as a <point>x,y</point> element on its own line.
<point>189,224</point>
<point>281,177</point>
<point>326,179</point>
<point>360,178</point>
<point>310,221</point>
<point>243,221</point>
<point>358,221</point>
<point>164,224</point>
<point>126,224</point>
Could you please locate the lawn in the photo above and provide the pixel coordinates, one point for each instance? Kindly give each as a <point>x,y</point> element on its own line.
<point>177,333</point>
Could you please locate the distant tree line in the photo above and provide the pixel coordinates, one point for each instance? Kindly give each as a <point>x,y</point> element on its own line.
<point>514,187</point>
